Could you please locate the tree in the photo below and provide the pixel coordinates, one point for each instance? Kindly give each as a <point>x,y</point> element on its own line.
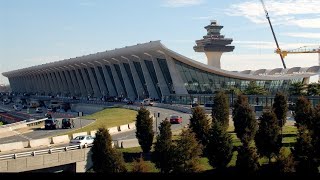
<point>304,152</point>
<point>280,108</point>
<point>144,133</point>
<point>106,159</point>
<point>187,153</point>
<point>247,159</point>
<point>297,89</point>
<point>303,112</point>
<point>199,124</point>
<point>316,131</point>
<point>219,148</point>
<point>285,162</point>
<point>254,89</point>
<point>313,89</point>
<point>220,109</point>
<point>163,148</point>
<point>244,120</point>
<point>140,166</point>
<point>268,138</point>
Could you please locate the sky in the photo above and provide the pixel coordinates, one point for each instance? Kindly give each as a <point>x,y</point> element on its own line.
<point>35,32</point>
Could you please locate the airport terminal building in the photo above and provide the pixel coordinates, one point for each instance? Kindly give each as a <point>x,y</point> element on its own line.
<point>150,70</point>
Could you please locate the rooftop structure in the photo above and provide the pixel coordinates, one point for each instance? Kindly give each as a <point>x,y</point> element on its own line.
<point>214,44</point>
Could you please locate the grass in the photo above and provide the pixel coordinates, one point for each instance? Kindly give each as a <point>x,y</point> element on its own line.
<point>107,118</point>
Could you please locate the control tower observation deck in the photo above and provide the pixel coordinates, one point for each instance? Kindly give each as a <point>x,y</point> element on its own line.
<point>214,44</point>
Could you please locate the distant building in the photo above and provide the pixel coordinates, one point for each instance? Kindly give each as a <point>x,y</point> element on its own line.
<point>150,70</point>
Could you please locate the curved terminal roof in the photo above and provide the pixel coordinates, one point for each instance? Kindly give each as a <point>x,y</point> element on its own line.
<point>156,49</point>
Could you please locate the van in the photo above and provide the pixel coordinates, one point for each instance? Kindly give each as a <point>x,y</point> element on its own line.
<point>148,102</point>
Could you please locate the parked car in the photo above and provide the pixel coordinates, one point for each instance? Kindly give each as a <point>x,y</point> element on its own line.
<point>17,107</point>
<point>39,110</point>
<point>130,102</point>
<point>66,123</point>
<point>50,124</point>
<point>83,141</point>
<point>175,119</point>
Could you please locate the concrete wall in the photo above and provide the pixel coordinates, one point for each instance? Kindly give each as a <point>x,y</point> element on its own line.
<point>82,158</point>
<point>129,143</point>
<point>45,142</point>
<point>60,139</point>
<point>11,146</point>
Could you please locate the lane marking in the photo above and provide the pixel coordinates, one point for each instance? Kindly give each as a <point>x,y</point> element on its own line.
<point>21,135</point>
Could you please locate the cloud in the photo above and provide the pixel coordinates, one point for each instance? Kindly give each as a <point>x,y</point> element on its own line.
<point>282,12</point>
<point>182,3</point>
<point>304,35</point>
<point>270,45</point>
<point>307,23</point>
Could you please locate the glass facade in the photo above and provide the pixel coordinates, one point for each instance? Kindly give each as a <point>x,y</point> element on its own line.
<point>111,77</point>
<point>128,70</point>
<point>166,74</point>
<point>153,76</point>
<point>117,67</point>
<point>88,77</point>
<point>95,77</point>
<point>104,80</point>
<point>137,65</point>
<point>198,81</point>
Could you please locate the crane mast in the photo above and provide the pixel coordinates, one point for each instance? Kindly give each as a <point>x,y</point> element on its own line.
<point>274,36</point>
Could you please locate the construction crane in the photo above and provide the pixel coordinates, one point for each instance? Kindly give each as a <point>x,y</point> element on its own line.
<point>304,49</point>
<point>274,36</point>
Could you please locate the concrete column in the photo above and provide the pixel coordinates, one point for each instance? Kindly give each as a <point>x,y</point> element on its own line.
<point>86,81</point>
<point>24,79</point>
<point>82,85</point>
<point>150,86</point>
<point>178,84</point>
<point>214,59</point>
<point>161,81</point>
<point>21,84</point>
<point>127,84</point>
<point>12,84</point>
<point>33,83</point>
<point>58,85</point>
<point>69,82</point>
<point>94,83</point>
<point>102,84</point>
<point>111,89</point>
<point>65,82</point>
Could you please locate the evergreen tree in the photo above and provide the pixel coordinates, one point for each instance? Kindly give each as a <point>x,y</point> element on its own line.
<point>247,159</point>
<point>254,89</point>
<point>297,89</point>
<point>280,108</point>
<point>244,119</point>
<point>163,148</point>
<point>220,109</point>
<point>285,162</point>
<point>316,132</point>
<point>187,153</point>
<point>313,89</point>
<point>303,114</point>
<point>106,159</point>
<point>304,152</point>
<point>144,133</point>
<point>268,138</point>
<point>219,148</point>
<point>199,124</point>
<point>140,166</point>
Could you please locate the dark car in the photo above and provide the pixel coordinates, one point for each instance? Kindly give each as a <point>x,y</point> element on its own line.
<point>130,102</point>
<point>50,124</point>
<point>66,123</point>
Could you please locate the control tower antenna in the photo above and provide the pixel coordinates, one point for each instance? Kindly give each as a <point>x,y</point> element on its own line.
<point>274,36</point>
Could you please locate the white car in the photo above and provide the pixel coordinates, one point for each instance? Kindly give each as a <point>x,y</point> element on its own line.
<point>83,141</point>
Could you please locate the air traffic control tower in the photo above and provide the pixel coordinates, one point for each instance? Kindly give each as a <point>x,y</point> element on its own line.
<point>214,44</point>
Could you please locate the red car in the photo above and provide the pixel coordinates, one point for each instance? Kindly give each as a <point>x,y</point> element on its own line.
<point>174,119</point>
